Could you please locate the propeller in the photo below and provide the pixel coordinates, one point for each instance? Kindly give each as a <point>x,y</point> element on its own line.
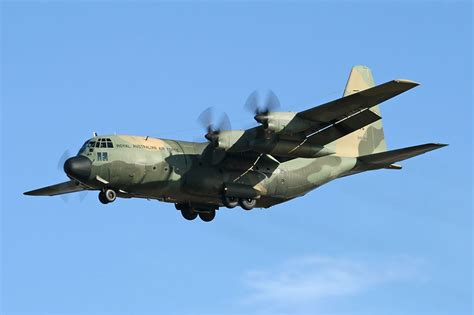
<point>66,155</point>
<point>213,129</point>
<point>271,104</point>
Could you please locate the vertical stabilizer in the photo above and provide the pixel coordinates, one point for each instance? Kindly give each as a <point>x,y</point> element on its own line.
<point>369,139</point>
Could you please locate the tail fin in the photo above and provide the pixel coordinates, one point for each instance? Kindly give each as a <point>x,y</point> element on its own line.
<point>369,139</point>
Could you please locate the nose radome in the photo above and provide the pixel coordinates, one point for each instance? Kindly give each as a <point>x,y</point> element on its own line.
<point>78,167</point>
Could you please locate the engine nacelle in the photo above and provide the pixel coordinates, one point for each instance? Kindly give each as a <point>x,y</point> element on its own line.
<point>283,122</point>
<point>233,139</point>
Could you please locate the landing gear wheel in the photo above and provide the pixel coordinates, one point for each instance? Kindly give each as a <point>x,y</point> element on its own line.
<point>207,216</point>
<point>189,214</point>
<point>230,202</point>
<point>102,198</point>
<point>247,203</point>
<point>110,195</point>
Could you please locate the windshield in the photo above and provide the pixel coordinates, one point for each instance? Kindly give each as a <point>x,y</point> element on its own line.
<point>87,144</point>
<point>84,146</point>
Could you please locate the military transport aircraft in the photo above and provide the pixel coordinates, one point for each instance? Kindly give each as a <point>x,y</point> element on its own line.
<point>287,155</point>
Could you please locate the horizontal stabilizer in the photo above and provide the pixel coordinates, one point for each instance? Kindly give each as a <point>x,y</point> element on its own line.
<point>388,158</point>
<point>58,189</point>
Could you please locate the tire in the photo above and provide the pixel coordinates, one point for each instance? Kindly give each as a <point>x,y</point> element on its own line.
<point>189,214</point>
<point>207,216</point>
<point>102,198</point>
<point>247,203</point>
<point>230,202</point>
<point>110,195</point>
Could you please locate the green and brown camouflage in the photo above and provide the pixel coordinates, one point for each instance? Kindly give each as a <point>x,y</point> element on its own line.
<point>337,139</point>
<point>368,139</point>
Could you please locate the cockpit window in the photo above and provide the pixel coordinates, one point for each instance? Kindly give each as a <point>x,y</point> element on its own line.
<point>103,143</point>
<point>83,146</point>
<point>97,143</point>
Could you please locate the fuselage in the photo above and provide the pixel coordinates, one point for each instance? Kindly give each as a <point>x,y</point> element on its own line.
<point>172,171</point>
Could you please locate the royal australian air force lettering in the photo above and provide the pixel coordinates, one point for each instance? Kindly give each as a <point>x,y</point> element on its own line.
<point>140,166</point>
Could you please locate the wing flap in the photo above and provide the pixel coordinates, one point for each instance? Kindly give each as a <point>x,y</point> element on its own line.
<point>58,189</point>
<point>336,110</point>
<point>343,127</point>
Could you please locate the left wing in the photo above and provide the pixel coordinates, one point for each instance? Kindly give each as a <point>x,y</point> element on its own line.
<point>287,135</point>
<point>58,189</point>
<point>332,112</point>
<point>342,127</point>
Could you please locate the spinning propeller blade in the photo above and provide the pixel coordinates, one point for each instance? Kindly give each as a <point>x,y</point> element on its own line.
<point>253,104</point>
<point>213,129</point>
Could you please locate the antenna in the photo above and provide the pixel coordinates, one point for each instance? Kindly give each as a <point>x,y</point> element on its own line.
<point>94,134</point>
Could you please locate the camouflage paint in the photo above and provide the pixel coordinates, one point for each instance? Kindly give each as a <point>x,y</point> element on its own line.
<point>197,173</point>
<point>369,139</point>
<point>172,171</point>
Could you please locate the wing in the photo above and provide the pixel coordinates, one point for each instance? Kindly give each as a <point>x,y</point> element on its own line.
<point>342,127</point>
<point>287,135</point>
<point>338,118</point>
<point>58,189</point>
<point>332,112</point>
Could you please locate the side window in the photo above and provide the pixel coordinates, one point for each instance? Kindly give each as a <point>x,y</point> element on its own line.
<point>109,144</point>
<point>91,146</point>
<point>102,156</point>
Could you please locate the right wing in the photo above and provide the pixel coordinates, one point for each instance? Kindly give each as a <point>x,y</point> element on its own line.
<point>58,189</point>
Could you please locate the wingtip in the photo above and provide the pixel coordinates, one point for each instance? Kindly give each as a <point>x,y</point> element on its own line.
<point>435,146</point>
<point>409,82</point>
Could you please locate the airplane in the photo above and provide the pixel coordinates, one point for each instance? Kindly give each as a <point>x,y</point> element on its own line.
<point>286,156</point>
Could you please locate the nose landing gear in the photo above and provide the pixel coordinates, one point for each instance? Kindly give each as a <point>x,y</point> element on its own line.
<point>107,196</point>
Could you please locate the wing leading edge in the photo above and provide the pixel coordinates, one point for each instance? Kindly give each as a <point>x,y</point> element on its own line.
<point>58,189</point>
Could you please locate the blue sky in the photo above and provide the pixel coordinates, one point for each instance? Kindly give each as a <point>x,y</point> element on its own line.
<point>385,242</point>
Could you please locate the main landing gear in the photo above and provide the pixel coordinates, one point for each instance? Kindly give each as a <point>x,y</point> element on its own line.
<point>245,203</point>
<point>190,213</point>
<point>107,196</point>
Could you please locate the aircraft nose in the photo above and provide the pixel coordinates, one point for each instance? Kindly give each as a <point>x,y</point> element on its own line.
<point>78,167</point>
